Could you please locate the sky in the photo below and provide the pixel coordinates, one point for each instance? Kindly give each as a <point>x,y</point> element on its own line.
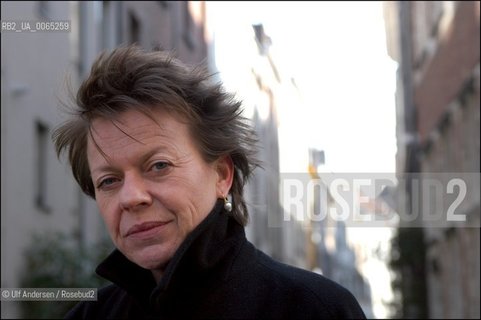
<point>336,53</point>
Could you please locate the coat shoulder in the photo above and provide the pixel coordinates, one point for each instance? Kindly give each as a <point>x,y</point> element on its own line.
<point>109,298</point>
<point>311,290</point>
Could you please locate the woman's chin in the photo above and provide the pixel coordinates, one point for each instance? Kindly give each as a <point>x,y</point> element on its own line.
<point>151,257</point>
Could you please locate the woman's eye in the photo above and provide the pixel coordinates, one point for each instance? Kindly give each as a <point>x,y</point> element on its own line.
<point>106,182</point>
<point>159,166</point>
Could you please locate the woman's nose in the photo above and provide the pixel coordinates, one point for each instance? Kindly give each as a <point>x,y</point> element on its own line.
<point>134,193</point>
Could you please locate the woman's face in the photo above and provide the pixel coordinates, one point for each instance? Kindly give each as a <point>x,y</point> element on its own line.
<point>155,187</point>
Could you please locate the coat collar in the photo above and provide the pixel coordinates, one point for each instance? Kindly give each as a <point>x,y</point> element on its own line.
<point>208,252</point>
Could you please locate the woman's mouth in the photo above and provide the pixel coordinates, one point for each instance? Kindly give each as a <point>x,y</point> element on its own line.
<point>145,229</point>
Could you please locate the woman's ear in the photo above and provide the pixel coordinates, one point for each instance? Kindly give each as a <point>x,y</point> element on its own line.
<point>225,175</point>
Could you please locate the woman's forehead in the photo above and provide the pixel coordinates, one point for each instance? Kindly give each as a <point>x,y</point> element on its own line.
<point>133,130</point>
<point>133,121</point>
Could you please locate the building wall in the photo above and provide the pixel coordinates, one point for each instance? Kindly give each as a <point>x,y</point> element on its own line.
<point>444,79</point>
<point>32,71</point>
<point>262,191</point>
<point>171,25</point>
<point>446,95</point>
<point>445,59</point>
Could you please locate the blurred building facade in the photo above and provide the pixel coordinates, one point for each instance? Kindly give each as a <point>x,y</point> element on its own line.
<point>262,191</point>
<point>39,194</point>
<point>330,251</point>
<point>437,46</point>
<point>265,91</point>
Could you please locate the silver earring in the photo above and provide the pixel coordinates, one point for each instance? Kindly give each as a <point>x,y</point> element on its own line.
<point>227,205</point>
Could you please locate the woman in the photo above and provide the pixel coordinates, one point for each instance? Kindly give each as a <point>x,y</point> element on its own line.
<point>166,154</point>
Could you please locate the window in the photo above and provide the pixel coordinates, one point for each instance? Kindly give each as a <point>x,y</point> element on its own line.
<point>134,30</point>
<point>43,9</point>
<point>263,40</point>
<point>41,141</point>
<point>189,27</point>
<point>163,4</point>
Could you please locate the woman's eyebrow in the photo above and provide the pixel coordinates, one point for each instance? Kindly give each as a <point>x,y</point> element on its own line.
<point>102,168</point>
<point>144,157</point>
<point>153,151</point>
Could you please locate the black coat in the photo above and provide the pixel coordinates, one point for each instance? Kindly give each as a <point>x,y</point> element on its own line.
<point>216,273</point>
